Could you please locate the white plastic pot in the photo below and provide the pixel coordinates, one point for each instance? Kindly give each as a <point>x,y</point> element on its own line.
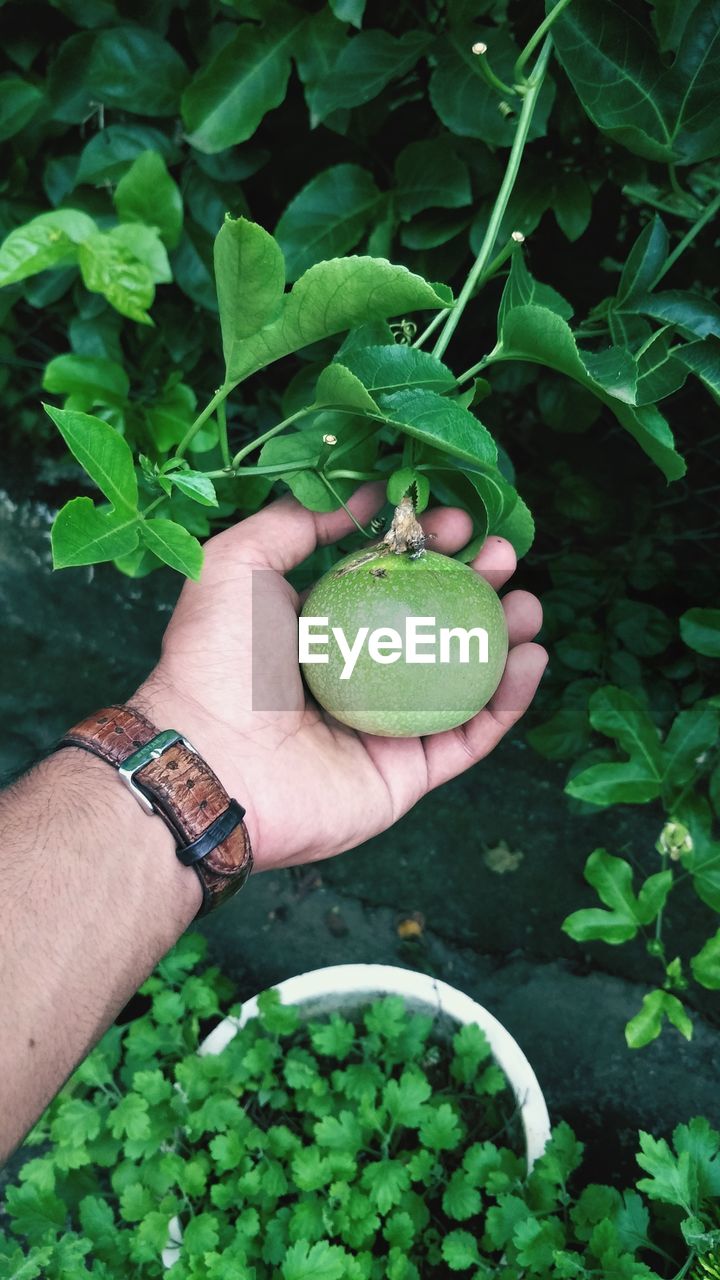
<point>348,988</point>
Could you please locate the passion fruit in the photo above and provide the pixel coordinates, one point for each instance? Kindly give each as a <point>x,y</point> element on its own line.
<point>401,645</point>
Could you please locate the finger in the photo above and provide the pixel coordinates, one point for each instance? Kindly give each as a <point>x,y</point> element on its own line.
<point>496,561</point>
<point>523,614</point>
<point>447,530</point>
<point>448,754</point>
<point>285,533</point>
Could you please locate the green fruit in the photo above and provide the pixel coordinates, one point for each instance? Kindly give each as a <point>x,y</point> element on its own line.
<point>400,698</point>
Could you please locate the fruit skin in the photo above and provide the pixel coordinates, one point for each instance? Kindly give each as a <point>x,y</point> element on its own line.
<point>401,700</point>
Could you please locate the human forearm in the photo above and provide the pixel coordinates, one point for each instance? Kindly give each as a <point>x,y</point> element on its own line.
<point>91,896</point>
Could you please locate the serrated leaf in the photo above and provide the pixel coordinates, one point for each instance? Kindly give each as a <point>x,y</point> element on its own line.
<point>338,386</point>
<point>408,480</point>
<point>439,422</point>
<point>331,297</point>
<point>321,1261</point>
<point>327,217</point>
<point>460,1251</point>
<point>172,544</point>
<point>396,367</point>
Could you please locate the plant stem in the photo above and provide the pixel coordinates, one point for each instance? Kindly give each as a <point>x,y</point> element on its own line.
<point>331,489</point>
<point>220,396</point>
<point>521,134</point>
<point>488,74</point>
<point>433,325</point>
<point>475,368</point>
<point>222,425</point>
<point>268,435</point>
<point>537,36</point>
<point>705,217</point>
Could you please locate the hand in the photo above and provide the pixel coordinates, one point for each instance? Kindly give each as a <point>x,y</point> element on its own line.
<point>311,786</point>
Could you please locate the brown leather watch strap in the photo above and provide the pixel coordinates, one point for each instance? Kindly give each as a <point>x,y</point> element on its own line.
<point>182,788</point>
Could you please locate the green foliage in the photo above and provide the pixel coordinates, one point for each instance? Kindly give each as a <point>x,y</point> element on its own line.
<point>332,1150</point>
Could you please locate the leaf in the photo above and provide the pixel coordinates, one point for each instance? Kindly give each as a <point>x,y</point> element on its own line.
<point>386,1180</point>
<point>229,96</point>
<point>129,1118</point>
<point>327,217</point>
<point>172,544</point>
<point>338,386</point>
<point>612,879</point>
<point>98,380</point>
<point>110,152</point>
<point>250,280</point>
<point>356,444</point>
<point>460,1199</point>
<point>700,629</point>
<point>367,63</point>
<point>396,367</point>
<point>460,1251</point>
<point>518,527</point>
<point>692,735</point>
<point>102,452</point>
<point>195,485</point>
<point>440,1130</point>
<point>703,359</point>
<point>439,422</point>
<point>321,1261</point>
<point>147,194</point>
<point>19,102</point>
<point>461,96</point>
<point>123,265</point>
<point>333,296</point>
<point>349,11</point>
<point>661,113</point>
<point>408,480</point>
<point>130,68</point>
<point>644,261</point>
<point>200,1235</point>
<point>691,313</point>
<point>647,1025</point>
<point>572,204</point>
<point>706,964</point>
<point>535,333</point>
<point>50,240</point>
<point>405,1099</point>
<point>618,715</point>
<point>659,373</point>
<point>430,175</point>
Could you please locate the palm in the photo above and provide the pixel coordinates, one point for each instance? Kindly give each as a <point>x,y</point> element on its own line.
<point>313,787</point>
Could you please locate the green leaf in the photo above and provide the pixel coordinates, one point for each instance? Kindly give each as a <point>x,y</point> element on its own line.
<point>111,151</point>
<point>349,11</point>
<point>572,204</point>
<point>693,733</point>
<point>694,315</point>
<point>172,544</point>
<point>706,964</point>
<point>405,1098</point>
<point>643,628</point>
<point>396,367</point>
<point>19,101</point>
<point>518,527</point>
<point>147,194</point>
<point>130,68</point>
<point>461,96</point>
<point>408,480</point>
<point>230,95</point>
<point>250,279</point>
<point>333,296</point>
<point>703,359</point>
<point>700,629</point>
<point>50,240</point>
<point>659,373</point>
<point>612,879</point>
<point>339,1133</point>
<point>535,333</point>
<point>102,452</point>
<point>440,1130</point>
<point>439,422</point>
<point>195,485</point>
<point>123,265</point>
<point>460,1251</point>
<point>644,261</point>
<point>429,175</point>
<point>97,380</point>
<point>647,1025</point>
<point>130,1118</point>
<point>200,1235</point>
<point>460,1199</point>
<point>661,113</point>
<point>366,64</point>
<point>327,217</point>
<point>338,386</point>
<point>386,1180</point>
<point>34,1213</point>
<point>321,1261</point>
